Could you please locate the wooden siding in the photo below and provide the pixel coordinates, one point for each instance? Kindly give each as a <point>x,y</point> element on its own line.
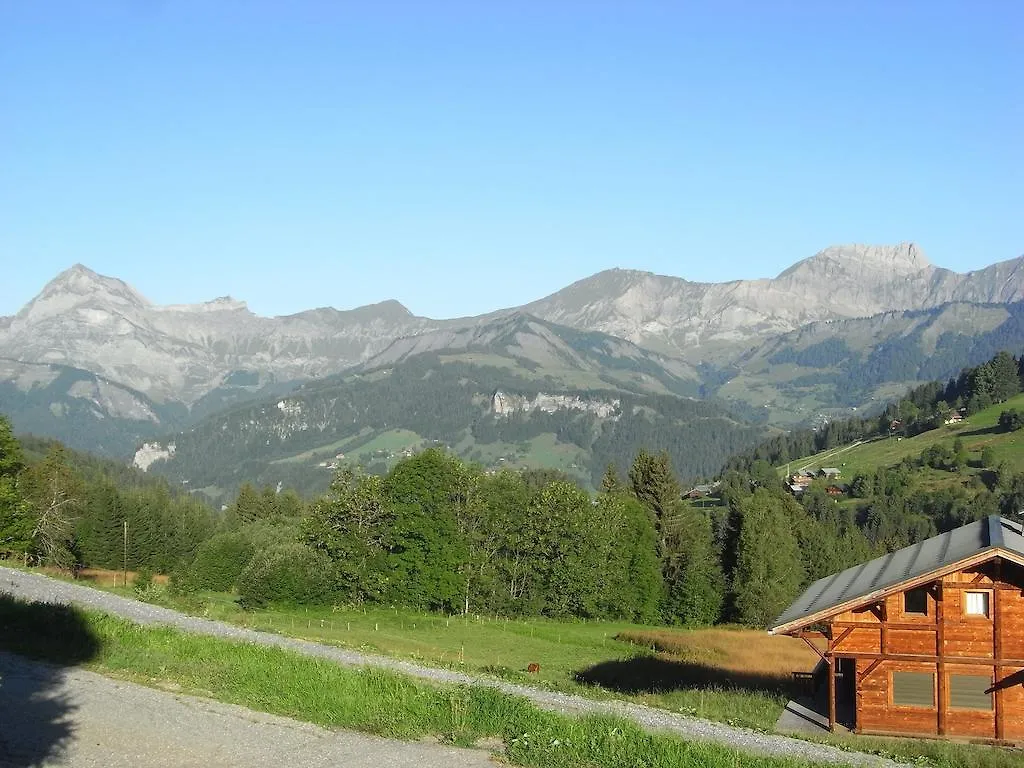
<point>945,641</point>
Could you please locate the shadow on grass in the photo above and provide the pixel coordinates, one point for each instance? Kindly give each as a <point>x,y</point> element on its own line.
<point>36,714</point>
<point>656,674</point>
<point>996,430</point>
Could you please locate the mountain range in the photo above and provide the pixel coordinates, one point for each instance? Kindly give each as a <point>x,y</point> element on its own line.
<point>93,362</point>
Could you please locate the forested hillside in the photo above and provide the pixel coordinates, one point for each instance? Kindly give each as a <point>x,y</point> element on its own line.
<point>67,509</point>
<point>438,400</point>
<point>825,368</point>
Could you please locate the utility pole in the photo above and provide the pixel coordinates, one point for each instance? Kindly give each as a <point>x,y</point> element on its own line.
<point>126,554</point>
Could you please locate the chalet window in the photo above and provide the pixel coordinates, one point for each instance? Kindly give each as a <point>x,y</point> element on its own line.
<point>968,692</point>
<point>915,601</point>
<point>913,689</point>
<point>976,603</point>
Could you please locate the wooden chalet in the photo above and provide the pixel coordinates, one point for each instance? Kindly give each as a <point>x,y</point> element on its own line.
<point>925,641</point>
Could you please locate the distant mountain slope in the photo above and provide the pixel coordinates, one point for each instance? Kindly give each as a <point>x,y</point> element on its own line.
<point>513,392</point>
<point>654,334</point>
<point>574,358</point>
<point>713,321</point>
<point>829,367</point>
<point>183,352</point>
<point>80,408</point>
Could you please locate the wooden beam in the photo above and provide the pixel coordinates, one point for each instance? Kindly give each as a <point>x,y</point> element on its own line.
<point>831,693</point>
<point>970,585</point>
<point>997,651</point>
<point>940,666</point>
<point>867,671</point>
<point>976,660</point>
<point>916,625</point>
<point>842,636</point>
<point>812,646</point>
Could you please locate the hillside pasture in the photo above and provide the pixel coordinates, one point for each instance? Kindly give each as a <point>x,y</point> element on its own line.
<point>977,432</point>
<point>733,674</point>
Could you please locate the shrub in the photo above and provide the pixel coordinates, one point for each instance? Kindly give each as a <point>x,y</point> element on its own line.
<point>1011,420</point>
<point>220,561</point>
<point>287,573</point>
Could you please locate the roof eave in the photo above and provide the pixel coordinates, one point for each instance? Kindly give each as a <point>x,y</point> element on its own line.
<point>873,597</point>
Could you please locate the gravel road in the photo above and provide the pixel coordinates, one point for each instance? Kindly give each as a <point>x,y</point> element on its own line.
<point>39,588</point>
<point>53,716</point>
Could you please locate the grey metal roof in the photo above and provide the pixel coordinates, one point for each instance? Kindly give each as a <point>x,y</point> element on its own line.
<point>890,570</point>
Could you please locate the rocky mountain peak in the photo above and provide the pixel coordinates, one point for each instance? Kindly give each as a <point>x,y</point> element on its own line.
<point>889,260</point>
<point>79,285</point>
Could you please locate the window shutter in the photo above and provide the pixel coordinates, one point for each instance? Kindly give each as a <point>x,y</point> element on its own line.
<point>968,692</point>
<point>913,689</point>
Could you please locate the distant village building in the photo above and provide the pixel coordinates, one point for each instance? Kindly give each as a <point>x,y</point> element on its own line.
<point>701,491</point>
<point>954,417</point>
<point>830,473</point>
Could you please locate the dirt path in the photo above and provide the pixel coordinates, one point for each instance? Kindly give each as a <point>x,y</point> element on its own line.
<point>33,586</point>
<point>70,717</point>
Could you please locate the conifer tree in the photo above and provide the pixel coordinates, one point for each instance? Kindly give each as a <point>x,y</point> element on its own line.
<point>16,522</point>
<point>694,583</point>
<point>768,571</point>
<point>53,491</point>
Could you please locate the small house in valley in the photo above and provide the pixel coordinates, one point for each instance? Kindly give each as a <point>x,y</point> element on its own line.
<point>925,641</point>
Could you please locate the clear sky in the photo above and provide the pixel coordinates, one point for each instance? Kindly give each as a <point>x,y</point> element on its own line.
<point>461,157</point>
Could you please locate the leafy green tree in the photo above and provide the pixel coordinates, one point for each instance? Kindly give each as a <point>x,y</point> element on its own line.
<point>1011,420</point>
<point>988,456</point>
<point>424,548</point>
<point>250,506</point>
<point>768,571</point>
<point>630,585</point>
<point>220,560</point>
<point>610,482</point>
<point>351,525</point>
<point>288,572</point>
<point>570,549</point>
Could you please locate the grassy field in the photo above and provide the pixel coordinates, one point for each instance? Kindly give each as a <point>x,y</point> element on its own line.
<point>729,674</point>
<point>977,432</point>
<point>380,702</point>
<point>705,676</point>
<point>732,664</point>
<point>324,451</point>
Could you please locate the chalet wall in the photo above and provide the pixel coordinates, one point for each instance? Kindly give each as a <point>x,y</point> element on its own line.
<point>948,642</point>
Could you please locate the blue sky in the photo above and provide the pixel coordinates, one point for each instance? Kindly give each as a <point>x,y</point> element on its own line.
<point>461,157</point>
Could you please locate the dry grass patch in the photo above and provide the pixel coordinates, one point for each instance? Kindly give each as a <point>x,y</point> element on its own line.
<point>732,649</point>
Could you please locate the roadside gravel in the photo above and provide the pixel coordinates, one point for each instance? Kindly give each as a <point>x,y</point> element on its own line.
<point>31,586</point>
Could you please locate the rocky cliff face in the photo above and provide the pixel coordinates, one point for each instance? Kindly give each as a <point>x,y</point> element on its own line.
<point>507,403</point>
